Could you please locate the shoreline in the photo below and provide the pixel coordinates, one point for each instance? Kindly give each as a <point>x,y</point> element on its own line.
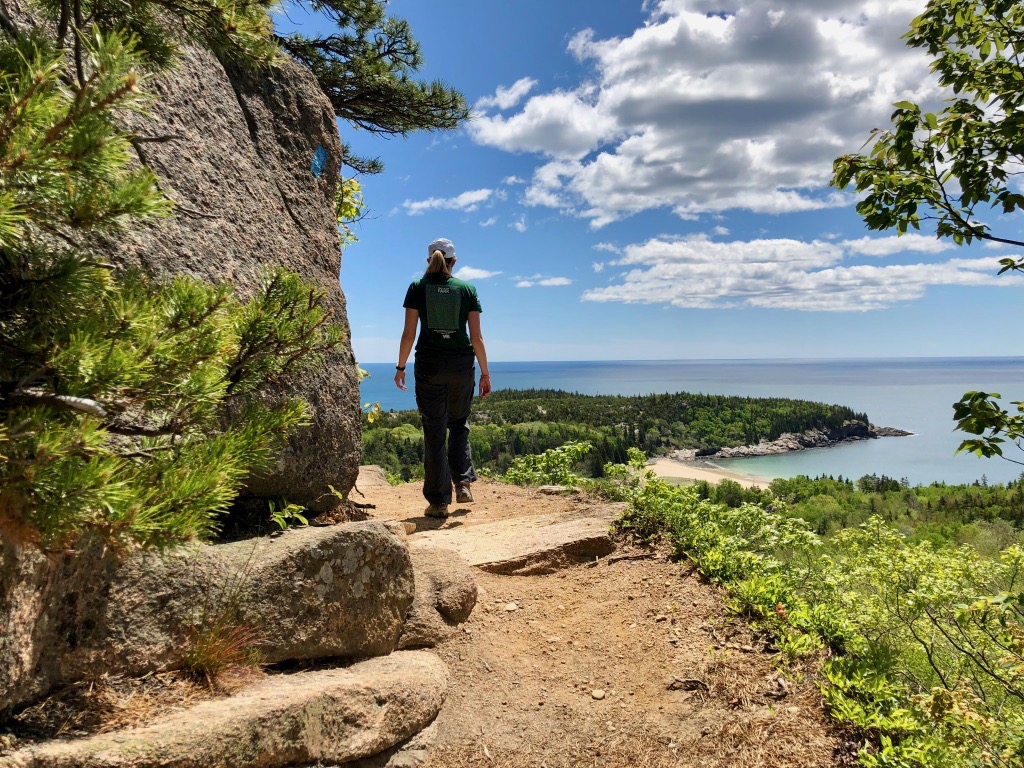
<point>685,465</point>
<point>680,469</point>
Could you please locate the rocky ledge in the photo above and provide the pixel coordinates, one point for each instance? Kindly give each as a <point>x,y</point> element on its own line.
<point>791,441</point>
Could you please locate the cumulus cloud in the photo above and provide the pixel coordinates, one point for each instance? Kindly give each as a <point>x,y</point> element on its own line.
<point>467,201</point>
<point>562,124</point>
<point>704,110</point>
<point>506,98</point>
<point>472,273</point>
<point>696,272</point>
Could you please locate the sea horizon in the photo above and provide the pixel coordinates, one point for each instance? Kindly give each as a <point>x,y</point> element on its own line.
<point>914,393</point>
<point>741,359</point>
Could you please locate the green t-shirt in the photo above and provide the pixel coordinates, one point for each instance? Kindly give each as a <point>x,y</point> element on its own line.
<point>444,304</point>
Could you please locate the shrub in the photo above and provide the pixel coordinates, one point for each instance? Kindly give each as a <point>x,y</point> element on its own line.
<point>927,644</point>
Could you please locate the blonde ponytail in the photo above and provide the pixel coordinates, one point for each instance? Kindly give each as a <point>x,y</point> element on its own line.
<point>436,264</point>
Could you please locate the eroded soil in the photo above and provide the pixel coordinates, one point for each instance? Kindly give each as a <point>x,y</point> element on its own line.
<point>631,660</point>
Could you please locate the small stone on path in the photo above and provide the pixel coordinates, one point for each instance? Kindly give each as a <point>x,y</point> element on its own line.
<point>511,607</point>
<point>597,694</point>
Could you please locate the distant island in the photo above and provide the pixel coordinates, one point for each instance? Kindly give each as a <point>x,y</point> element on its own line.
<point>683,425</point>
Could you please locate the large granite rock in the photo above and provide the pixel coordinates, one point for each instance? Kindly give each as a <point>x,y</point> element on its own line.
<point>446,594</point>
<point>252,161</point>
<point>338,591</point>
<point>331,716</point>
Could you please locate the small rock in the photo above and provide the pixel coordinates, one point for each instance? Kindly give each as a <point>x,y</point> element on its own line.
<point>512,607</point>
<point>552,490</point>
<point>597,694</point>
<point>661,617</point>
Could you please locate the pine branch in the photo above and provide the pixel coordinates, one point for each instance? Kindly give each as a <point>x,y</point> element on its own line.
<point>39,396</point>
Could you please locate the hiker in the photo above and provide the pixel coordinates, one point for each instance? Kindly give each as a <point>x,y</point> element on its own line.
<point>448,312</point>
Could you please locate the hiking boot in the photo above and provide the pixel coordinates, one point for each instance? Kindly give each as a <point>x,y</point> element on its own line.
<point>437,510</point>
<point>463,495</point>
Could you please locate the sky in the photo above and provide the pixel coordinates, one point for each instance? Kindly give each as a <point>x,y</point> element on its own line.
<point>650,180</point>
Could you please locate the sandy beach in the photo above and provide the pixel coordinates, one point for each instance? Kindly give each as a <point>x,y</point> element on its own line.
<point>684,470</point>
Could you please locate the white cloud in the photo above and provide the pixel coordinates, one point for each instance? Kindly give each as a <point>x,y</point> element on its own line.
<point>506,98</point>
<point>467,201</point>
<point>546,282</point>
<point>697,272</point>
<point>510,181</point>
<point>489,222</point>
<point>520,224</point>
<point>598,266</point>
<point>721,231</point>
<point>887,246</point>
<point>561,124</point>
<point>702,111</point>
<point>472,273</point>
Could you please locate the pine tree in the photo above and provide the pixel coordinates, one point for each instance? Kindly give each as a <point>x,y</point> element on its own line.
<point>365,65</point>
<point>127,406</point>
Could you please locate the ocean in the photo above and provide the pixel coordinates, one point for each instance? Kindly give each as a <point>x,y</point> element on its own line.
<point>914,394</point>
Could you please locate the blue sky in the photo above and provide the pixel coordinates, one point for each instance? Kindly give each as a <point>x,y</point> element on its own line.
<point>650,181</point>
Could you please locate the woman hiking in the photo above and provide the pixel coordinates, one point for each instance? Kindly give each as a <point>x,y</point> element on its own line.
<point>447,311</point>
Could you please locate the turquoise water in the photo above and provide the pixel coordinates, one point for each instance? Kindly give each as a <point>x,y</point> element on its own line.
<point>915,394</point>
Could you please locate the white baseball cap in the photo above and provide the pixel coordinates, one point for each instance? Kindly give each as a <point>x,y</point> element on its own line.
<point>444,245</point>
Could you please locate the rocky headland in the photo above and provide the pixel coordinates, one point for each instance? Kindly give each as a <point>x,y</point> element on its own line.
<point>850,431</point>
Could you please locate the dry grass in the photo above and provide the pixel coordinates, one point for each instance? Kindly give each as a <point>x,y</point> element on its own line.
<point>111,702</point>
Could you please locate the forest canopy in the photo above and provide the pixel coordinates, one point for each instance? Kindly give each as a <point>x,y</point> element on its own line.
<point>511,423</point>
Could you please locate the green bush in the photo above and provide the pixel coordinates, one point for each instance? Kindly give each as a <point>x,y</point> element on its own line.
<point>553,467</point>
<point>927,644</point>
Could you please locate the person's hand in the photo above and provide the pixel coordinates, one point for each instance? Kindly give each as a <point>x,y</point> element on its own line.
<point>400,380</point>
<point>485,385</point>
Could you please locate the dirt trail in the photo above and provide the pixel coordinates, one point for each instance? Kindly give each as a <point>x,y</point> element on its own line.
<point>626,660</point>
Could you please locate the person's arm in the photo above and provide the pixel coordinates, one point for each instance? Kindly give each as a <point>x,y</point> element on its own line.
<point>477,340</point>
<point>405,346</point>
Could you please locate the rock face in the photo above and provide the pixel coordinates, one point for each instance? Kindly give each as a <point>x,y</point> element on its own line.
<point>335,716</point>
<point>252,164</point>
<point>338,591</point>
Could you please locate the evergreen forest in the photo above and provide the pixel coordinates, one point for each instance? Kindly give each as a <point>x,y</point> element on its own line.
<point>512,423</point>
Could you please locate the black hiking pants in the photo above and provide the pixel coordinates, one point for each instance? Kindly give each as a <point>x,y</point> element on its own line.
<point>444,392</point>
